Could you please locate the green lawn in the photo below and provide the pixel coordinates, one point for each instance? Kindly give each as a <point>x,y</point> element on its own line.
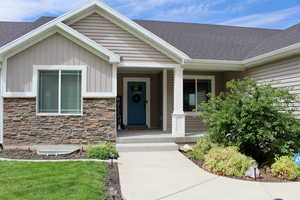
<point>53,181</point>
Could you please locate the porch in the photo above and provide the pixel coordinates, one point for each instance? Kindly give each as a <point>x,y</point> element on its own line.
<point>159,103</point>
<point>155,136</point>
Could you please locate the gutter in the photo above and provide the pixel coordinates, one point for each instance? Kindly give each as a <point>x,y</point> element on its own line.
<point>232,65</point>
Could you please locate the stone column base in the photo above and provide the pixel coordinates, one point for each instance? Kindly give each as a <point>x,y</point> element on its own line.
<point>178,125</point>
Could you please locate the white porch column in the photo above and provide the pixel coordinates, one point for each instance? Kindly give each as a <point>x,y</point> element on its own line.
<point>165,99</point>
<point>178,117</point>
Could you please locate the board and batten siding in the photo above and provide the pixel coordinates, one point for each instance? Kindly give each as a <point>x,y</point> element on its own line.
<point>282,74</point>
<point>193,123</point>
<point>57,50</point>
<point>118,40</point>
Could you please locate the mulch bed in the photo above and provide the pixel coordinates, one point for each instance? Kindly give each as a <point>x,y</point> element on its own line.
<point>113,173</point>
<point>265,176</point>
<point>114,181</point>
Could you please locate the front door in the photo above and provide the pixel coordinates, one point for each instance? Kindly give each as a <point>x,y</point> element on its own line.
<point>136,110</point>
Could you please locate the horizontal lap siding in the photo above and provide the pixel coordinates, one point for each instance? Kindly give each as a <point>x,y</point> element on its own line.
<point>57,50</point>
<point>118,40</point>
<point>282,74</point>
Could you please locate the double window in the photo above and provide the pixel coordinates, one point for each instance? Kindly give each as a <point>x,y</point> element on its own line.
<point>59,91</point>
<point>196,90</point>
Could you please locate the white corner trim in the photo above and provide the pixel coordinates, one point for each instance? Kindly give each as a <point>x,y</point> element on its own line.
<point>165,100</point>
<point>148,98</point>
<point>114,79</point>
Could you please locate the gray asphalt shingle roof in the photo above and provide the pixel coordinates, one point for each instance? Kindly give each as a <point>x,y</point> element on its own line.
<point>199,41</point>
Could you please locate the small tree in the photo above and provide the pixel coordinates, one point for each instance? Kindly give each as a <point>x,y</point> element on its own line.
<point>256,118</point>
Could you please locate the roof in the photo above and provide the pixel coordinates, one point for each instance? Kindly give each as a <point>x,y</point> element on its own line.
<point>199,41</point>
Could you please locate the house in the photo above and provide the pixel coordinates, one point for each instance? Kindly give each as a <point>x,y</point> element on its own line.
<point>82,76</point>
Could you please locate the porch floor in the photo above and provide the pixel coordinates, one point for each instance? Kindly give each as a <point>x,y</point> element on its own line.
<point>154,136</point>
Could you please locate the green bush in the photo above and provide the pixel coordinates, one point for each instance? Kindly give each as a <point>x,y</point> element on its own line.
<point>285,167</point>
<point>103,151</point>
<point>203,145</point>
<point>227,161</point>
<point>250,116</point>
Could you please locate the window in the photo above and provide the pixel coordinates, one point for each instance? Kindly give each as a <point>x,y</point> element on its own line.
<point>195,91</point>
<point>59,91</point>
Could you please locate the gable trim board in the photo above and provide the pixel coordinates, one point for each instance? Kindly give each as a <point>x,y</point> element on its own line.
<point>51,45</point>
<point>119,40</point>
<point>138,30</point>
<point>68,32</point>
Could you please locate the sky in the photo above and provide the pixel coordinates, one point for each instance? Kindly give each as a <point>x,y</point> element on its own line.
<point>278,14</point>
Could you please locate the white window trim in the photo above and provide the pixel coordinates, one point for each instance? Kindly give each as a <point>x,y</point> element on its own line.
<point>212,78</point>
<point>37,68</point>
<point>125,97</point>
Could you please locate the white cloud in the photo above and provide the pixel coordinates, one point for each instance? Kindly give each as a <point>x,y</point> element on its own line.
<point>17,10</point>
<point>263,19</point>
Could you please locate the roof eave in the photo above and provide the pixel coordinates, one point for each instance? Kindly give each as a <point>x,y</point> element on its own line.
<point>215,65</point>
<point>272,56</point>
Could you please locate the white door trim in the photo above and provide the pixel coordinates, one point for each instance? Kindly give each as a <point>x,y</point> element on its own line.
<point>125,97</point>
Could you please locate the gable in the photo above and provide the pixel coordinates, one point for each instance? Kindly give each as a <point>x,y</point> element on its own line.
<point>57,50</point>
<point>118,40</point>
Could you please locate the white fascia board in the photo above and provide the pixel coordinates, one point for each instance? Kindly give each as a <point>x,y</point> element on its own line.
<point>113,58</point>
<point>148,65</point>
<point>147,34</point>
<point>272,56</point>
<point>144,32</point>
<point>213,65</point>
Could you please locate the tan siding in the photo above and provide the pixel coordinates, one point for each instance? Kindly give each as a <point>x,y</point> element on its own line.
<point>192,123</point>
<point>118,40</point>
<point>282,74</point>
<point>155,92</point>
<point>57,50</point>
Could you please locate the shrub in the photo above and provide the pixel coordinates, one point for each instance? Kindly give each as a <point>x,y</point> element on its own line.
<point>284,167</point>
<point>227,161</point>
<point>203,145</point>
<point>103,151</point>
<point>257,118</point>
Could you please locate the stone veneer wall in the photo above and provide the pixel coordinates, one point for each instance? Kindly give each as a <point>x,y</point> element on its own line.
<point>23,127</point>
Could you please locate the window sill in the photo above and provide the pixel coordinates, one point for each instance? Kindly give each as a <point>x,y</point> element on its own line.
<point>57,114</point>
<point>192,113</point>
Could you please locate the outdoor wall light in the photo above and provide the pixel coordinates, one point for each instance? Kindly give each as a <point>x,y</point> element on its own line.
<point>255,166</point>
<point>113,191</point>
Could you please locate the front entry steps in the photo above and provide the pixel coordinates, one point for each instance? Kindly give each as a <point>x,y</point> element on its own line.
<point>147,147</point>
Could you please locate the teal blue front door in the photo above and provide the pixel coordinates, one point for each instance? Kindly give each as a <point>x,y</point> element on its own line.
<point>136,103</point>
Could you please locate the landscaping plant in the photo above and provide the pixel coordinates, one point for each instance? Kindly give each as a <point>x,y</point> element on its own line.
<point>285,167</point>
<point>201,148</point>
<point>227,161</point>
<point>256,118</point>
<point>103,151</point>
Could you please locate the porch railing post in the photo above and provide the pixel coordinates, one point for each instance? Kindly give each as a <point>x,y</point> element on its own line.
<point>178,117</point>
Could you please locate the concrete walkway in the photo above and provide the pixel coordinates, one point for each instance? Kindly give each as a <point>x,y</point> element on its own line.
<point>169,175</point>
